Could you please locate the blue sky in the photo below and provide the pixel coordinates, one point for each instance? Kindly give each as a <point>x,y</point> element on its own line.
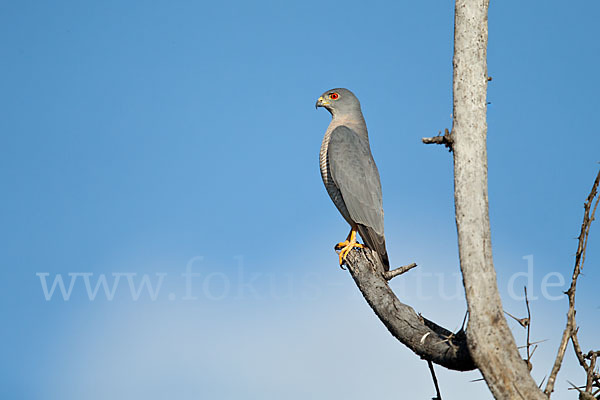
<point>147,139</point>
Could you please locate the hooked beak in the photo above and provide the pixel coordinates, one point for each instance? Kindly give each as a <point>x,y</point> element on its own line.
<point>321,102</point>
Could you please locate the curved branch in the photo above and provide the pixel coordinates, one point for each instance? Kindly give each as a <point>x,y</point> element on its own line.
<point>425,338</point>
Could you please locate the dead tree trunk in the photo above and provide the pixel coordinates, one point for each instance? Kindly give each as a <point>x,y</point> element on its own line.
<point>490,341</point>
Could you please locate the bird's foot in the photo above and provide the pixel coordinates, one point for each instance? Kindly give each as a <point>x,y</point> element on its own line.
<point>345,247</point>
<point>341,245</point>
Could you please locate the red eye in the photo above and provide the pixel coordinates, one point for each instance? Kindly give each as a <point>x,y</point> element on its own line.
<point>334,96</point>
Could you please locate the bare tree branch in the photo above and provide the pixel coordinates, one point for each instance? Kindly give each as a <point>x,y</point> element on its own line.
<point>562,348</point>
<point>529,355</point>
<point>592,356</point>
<point>526,324</point>
<point>445,139</point>
<point>389,275</point>
<point>425,338</point>
<point>438,395</point>
<point>570,331</point>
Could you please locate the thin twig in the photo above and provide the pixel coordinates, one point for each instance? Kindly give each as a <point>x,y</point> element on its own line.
<point>570,331</point>
<point>542,382</point>
<point>524,322</point>
<point>536,342</point>
<point>590,374</point>
<point>528,329</point>
<point>388,275</point>
<point>438,395</point>
<point>582,395</point>
<point>577,348</point>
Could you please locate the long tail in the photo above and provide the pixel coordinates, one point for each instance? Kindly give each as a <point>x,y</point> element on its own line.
<point>375,242</point>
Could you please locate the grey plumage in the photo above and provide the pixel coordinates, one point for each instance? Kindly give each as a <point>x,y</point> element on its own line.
<point>349,171</point>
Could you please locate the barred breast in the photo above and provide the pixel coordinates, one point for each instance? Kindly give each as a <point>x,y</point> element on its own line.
<point>332,189</point>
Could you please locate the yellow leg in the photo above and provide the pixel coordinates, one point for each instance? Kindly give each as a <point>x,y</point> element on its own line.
<point>343,244</point>
<point>348,245</point>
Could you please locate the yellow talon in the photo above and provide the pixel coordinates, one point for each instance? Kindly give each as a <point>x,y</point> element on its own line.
<point>348,245</point>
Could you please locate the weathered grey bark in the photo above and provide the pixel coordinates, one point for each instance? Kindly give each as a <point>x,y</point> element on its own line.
<point>490,341</point>
<point>423,337</point>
